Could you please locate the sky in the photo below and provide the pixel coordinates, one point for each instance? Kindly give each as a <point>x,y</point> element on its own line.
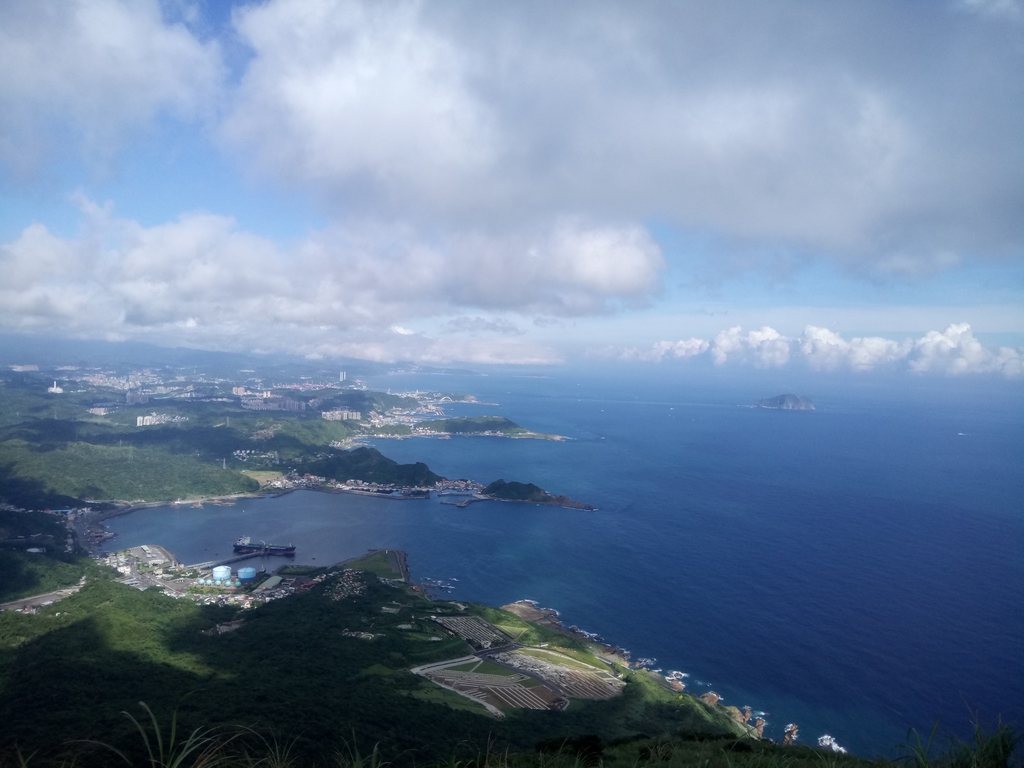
<point>832,186</point>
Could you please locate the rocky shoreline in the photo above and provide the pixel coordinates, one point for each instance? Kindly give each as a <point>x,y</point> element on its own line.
<point>530,610</point>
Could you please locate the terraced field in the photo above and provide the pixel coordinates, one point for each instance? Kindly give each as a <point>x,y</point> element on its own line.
<point>570,676</point>
<point>492,686</point>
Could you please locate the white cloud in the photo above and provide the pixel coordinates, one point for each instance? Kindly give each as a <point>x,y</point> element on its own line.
<point>432,351</point>
<point>512,142</point>
<point>657,352</point>
<point>360,93</point>
<point>200,279</point>
<point>956,351</point>
<point>777,124</point>
<point>569,268</point>
<point>686,348</point>
<point>766,347</point>
<point>92,70</point>
<point>826,350</point>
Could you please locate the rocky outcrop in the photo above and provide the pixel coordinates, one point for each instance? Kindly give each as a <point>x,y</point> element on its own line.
<point>527,610</point>
<point>759,725</point>
<point>747,712</point>
<point>789,735</point>
<point>710,698</point>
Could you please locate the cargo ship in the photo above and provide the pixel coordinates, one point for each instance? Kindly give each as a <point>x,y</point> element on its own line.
<point>244,546</point>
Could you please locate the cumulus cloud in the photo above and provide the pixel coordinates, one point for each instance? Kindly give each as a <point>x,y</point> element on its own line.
<point>360,94</point>
<point>514,162</point>
<point>201,277</point>
<point>657,352</point>
<point>92,70</point>
<point>773,123</point>
<point>954,351</point>
<point>547,132</point>
<point>957,351</point>
<point>826,350</point>
<point>569,268</point>
<point>382,347</point>
<point>766,347</point>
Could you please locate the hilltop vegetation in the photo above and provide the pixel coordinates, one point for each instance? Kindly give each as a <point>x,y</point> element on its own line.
<point>528,492</point>
<point>289,668</point>
<point>54,453</point>
<point>468,425</point>
<point>515,491</point>
<point>23,574</point>
<point>294,678</point>
<point>89,471</point>
<point>371,465</point>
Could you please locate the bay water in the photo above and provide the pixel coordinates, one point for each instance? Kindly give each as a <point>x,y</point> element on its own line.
<point>857,569</point>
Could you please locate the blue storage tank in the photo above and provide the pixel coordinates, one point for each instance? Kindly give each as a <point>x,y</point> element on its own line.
<point>246,574</point>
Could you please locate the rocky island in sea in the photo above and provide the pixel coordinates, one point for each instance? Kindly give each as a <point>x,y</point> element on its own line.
<point>786,403</point>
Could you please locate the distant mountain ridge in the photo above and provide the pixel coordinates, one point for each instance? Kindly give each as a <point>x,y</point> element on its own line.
<point>787,403</point>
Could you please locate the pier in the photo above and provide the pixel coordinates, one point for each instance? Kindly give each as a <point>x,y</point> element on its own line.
<point>465,502</point>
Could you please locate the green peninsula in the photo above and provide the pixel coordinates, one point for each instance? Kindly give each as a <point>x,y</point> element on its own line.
<point>515,491</point>
<point>481,425</point>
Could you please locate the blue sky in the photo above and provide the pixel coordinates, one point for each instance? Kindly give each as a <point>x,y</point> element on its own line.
<point>836,186</point>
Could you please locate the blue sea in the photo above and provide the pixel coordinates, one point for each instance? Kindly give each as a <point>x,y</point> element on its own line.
<point>857,570</point>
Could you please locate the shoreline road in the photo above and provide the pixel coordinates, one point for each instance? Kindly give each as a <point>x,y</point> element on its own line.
<point>36,601</point>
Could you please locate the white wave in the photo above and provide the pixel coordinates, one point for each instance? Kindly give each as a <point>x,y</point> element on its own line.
<point>828,742</point>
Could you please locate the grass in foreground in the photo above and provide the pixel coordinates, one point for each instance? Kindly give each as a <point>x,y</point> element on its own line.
<point>159,744</point>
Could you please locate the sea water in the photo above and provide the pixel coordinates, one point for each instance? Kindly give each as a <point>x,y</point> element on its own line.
<point>858,569</point>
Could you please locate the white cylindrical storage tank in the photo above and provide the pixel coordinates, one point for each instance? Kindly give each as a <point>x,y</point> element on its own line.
<point>222,572</point>
<point>246,574</point>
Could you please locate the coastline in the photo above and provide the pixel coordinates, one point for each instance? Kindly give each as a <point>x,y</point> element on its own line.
<point>449,435</point>
<point>530,611</point>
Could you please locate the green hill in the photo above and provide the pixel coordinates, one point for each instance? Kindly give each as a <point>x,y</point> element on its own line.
<point>515,491</point>
<point>68,673</point>
<point>372,466</point>
<point>324,677</point>
<point>469,425</point>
